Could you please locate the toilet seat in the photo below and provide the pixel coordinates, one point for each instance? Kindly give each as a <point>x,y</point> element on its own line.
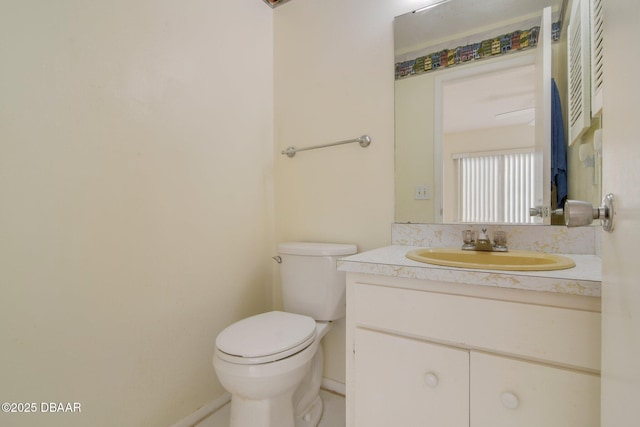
<point>266,337</point>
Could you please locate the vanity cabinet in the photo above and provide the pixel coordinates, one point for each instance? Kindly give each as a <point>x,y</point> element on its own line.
<point>405,382</point>
<point>511,392</point>
<point>426,353</point>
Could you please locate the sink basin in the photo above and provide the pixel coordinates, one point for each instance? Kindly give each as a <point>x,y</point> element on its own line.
<point>512,260</point>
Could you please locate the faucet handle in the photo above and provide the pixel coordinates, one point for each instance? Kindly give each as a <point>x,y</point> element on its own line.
<point>469,236</point>
<point>500,238</point>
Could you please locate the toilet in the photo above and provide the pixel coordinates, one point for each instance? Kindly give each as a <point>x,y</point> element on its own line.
<point>271,363</point>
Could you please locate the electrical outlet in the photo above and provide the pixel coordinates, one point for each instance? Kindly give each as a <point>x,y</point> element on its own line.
<point>422,193</point>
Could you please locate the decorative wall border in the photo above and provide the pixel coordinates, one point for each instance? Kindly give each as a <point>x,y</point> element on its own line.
<point>498,45</point>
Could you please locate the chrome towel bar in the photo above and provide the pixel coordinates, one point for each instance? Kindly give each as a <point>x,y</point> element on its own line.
<point>364,141</point>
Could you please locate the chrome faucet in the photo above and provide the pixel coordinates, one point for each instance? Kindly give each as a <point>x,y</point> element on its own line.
<point>483,243</point>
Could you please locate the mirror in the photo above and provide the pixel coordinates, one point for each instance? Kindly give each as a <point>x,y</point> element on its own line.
<point>472,109</point>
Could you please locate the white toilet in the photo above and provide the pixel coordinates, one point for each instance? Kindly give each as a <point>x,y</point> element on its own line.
<point>271,363</point>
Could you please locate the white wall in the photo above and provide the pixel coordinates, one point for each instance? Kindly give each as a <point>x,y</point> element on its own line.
<point>135,201</point>
<point>585,182</point>
<point>414,136</point>
<point>333,81</point>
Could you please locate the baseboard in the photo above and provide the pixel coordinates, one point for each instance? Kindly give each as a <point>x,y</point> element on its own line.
<point>203,412</point>
<point>333,386</point>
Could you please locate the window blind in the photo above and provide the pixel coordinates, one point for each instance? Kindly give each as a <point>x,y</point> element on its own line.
<point>495,187</point>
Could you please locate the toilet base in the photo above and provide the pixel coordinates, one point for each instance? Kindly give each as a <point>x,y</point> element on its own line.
<point>311,416</point>
<point>262,413</point>
<point>307,402</point>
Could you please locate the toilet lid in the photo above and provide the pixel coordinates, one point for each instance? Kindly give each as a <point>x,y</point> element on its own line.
<point>266,334</point>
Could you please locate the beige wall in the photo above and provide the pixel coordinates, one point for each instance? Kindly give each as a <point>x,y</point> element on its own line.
<point>585,182</point>
<point>334,81</point>
<point>135,201</point>
<point>414,123</point>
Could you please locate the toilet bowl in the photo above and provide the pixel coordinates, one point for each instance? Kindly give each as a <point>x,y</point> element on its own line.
<point>274,373</point>
<point>271,363</point>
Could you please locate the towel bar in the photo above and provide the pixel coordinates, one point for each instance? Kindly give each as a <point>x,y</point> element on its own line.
<point>364,141</point>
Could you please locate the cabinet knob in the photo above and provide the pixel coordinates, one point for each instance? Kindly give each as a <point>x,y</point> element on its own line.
<point>431,379</point>
<point>509,400</point>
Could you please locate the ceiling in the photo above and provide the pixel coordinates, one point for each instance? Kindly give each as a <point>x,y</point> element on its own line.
<point>497,99</point>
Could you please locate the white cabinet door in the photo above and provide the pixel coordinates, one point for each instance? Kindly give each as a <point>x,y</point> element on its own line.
<point>507,392</point>
<point>405,382</point>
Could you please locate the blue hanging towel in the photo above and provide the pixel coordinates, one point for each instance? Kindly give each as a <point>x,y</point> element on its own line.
<point>558,147</point>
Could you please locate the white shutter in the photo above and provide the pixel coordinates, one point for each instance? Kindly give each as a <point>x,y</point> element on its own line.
<point>597,59</point>
<point>579,70</point>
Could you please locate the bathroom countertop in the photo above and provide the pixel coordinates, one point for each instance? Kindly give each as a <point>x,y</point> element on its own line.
<point>583,279</point>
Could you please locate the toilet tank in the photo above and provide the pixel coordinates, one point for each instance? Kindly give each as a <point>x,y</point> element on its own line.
<point>311,283</point>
